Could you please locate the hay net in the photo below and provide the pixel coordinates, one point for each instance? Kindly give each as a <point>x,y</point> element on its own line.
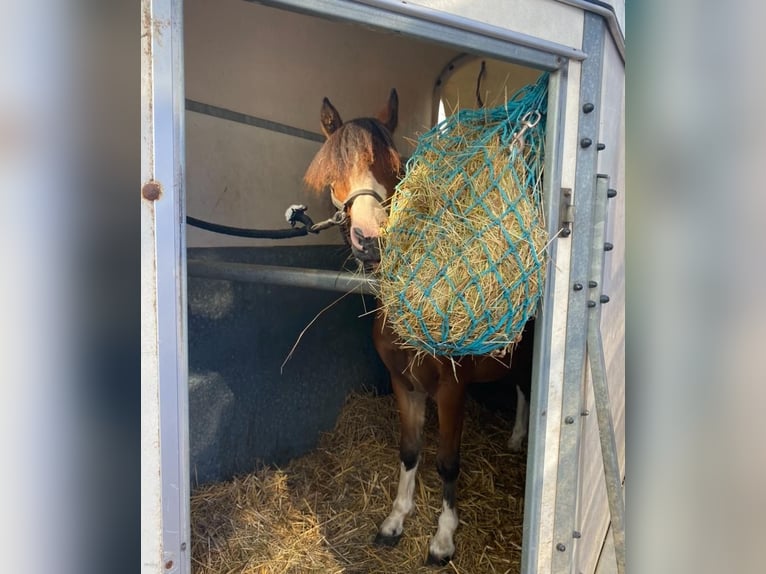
<point>463,261</point>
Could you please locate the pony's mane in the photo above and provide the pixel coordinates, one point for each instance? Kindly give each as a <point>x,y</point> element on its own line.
<point>356,144</point>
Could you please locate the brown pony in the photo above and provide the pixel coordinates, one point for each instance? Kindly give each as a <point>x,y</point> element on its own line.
<point>360,165</point>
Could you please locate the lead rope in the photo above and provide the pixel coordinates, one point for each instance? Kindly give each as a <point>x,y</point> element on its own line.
<point>294,215</point>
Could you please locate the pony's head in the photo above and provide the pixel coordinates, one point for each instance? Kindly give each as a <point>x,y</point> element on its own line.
<point>359,163</point>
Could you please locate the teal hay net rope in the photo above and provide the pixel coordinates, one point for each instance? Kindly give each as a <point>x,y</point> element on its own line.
<point>463,261</point>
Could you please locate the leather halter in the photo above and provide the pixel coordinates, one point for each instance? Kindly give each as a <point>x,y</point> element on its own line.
<point>344,205</point>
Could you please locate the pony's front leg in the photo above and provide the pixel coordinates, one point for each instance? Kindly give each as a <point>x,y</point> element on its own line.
<point>412,405</point>
<point>450,401</point>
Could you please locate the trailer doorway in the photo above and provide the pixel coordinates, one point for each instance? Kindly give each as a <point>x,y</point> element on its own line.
<point>433,36</point>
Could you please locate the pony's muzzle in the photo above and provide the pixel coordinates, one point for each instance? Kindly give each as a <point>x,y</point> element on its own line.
<point>365,249</point>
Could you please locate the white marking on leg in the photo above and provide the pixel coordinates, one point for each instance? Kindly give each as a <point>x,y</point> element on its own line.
<point>394,523</point>
<point>442,544</point>
<point>521,424</point>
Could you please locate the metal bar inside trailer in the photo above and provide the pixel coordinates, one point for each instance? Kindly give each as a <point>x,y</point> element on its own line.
<point>343,282</point>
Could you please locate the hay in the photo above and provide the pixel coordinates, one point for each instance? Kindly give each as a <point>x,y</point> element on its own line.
<point>320,513</point>
<point>463,259</point>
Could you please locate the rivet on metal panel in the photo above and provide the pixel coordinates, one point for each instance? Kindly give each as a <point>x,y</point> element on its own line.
<point>183,546</point>
<point>591,304</point>
<point>168,565</point>
<point>151,191</point>
<point>560,547</point>
<point>586,142</point>
<point>569,420</point>
<point>610,193</point>
<point>585,413</point>
<point>600,146</point>
<point>577,286</point>
<point>604,299</point>
<point>592,284</point>
<point>588,108</point>
<point>576,534</point>
<point>608,246</point>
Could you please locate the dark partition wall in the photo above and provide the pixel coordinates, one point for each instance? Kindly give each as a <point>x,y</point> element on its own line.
<point>242,407</point>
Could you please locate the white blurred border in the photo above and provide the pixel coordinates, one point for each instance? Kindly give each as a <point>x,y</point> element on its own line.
<point>39,326</point>
<point>69,286</point>
<point>696,154</point>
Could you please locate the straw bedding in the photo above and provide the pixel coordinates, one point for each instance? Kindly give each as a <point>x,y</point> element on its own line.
<point>320,513</point>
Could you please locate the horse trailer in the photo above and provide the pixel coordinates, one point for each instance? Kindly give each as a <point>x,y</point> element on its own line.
<point>242,362</point>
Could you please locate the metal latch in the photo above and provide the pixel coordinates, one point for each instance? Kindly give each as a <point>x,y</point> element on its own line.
<point>566,213</point>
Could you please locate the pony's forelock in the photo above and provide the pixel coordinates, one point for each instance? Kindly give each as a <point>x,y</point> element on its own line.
<point>354,146</point>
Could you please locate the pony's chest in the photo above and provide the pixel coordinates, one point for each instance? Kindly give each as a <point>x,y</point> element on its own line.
<point>423,373</point>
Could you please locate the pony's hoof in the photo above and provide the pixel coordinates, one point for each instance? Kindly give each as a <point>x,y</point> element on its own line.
<point>384,540</point>
<point>436,561</point>
<point>515,445</point>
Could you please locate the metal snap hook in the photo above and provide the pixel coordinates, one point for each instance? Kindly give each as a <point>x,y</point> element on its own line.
<point>530,123</point>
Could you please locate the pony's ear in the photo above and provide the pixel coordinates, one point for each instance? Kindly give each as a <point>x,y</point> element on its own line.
<point>329,118</point>
<point>389,116</point>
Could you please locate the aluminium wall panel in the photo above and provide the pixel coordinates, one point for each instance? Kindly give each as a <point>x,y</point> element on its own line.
<point>593,507</point>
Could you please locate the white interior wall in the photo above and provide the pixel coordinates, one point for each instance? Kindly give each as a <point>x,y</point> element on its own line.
<point>278,65</point>
<point>500,81</point>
